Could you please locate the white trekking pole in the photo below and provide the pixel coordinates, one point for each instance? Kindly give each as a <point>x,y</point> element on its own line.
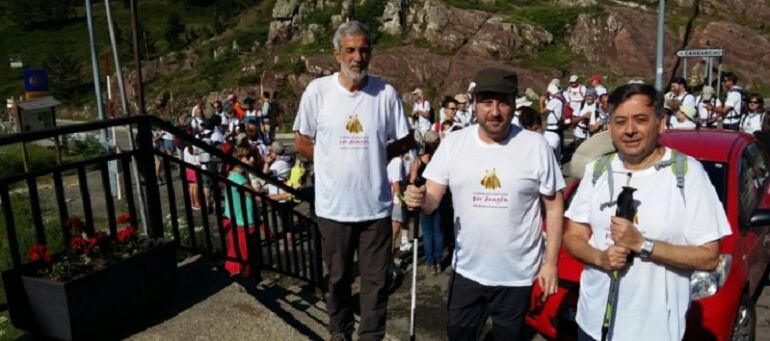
<point>414,232</point>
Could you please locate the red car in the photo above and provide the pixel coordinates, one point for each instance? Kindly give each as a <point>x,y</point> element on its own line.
<point>723,300</point>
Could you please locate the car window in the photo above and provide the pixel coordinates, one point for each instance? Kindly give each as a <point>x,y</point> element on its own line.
<point>752,180</point>
<point>717,173</point>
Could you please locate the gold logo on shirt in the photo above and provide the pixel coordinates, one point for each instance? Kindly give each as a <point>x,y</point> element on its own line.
<point>354,125</point>
<point>490,180</point>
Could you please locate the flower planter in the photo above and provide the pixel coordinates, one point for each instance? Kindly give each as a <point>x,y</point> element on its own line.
<point>97,304</point>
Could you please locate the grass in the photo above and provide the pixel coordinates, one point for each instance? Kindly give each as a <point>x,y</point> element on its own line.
<point>35,44</point>
<point>554,19</point>
<point>12,164</point>
<point>556,55</point>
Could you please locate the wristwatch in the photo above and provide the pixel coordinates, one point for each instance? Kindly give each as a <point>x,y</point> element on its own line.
<point>646,250</point>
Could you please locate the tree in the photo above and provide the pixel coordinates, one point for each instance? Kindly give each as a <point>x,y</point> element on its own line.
<point>174,29</point>
<point>64,72</point>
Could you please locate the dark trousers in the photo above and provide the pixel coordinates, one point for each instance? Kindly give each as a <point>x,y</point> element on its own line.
<point>372,239</point>
<point>583,336</point>
<point>470,303</point>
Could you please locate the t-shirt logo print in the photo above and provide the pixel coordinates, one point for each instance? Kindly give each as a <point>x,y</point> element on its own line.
<point>354,125</point>
<point>490,180</point>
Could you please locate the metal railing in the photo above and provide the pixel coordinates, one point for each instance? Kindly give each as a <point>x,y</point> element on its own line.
<point>284,237</point>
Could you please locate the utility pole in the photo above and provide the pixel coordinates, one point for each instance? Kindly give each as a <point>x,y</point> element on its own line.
<point>95,71</point>
<point>659,54</point>
<point>137,60</point>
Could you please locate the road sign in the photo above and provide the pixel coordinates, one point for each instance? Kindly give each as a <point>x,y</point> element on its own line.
<point>700,53</point>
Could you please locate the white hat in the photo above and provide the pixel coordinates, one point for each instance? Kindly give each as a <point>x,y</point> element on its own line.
<point>471,86</point>
<point>417,91</point>
<point>281,169</point>
<point>552,89</point>
<point>687,110</point>
<point>556,82</point>
<point>573,78</point>
<point>523,101</point>
<point>461,98</point>
<point>708,92</point>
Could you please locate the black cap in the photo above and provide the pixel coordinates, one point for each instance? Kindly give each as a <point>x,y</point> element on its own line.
<point>496,80</point>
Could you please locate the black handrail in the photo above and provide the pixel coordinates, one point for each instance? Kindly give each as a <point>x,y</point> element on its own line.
<point>153,121</point>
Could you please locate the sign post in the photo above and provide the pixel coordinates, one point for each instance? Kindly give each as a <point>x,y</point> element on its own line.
<point>700,53</point>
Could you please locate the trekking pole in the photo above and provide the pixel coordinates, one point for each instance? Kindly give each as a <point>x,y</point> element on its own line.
<point>414,233</point>
<point>625,210</point>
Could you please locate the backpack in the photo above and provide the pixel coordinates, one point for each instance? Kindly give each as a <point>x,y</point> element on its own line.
<point>744,107</point>
<point>677,161</point>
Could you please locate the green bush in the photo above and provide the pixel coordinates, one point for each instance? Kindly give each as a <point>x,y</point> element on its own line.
<point>85,148</point>
<point>13,160</point>
<point>556,20</point>
<point>321,17</point>
<point>246,39</point>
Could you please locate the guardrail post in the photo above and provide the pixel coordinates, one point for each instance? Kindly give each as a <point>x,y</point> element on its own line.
<point>147,162</point>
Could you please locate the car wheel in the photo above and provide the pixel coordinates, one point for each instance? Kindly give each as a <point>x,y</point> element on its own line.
<point>744,326</point>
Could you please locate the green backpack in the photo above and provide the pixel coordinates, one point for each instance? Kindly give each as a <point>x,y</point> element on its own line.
<point>677,161</point>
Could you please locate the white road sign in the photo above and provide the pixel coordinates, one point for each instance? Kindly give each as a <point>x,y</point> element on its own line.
<point>700,53</point>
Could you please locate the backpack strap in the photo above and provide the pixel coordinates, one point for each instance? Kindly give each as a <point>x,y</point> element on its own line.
<point>678,163</point>
<point>601,166</point>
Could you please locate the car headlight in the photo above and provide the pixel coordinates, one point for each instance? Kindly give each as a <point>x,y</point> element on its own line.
<point>705,283</point>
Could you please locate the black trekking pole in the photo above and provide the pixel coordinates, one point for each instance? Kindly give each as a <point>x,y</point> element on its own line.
<point>625,210</point>
<point>419,181</point>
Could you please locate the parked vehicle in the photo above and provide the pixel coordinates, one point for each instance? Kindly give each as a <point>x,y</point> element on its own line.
<point>724,299</point>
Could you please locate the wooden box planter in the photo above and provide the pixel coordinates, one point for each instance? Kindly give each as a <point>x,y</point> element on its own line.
<point>97,304</point>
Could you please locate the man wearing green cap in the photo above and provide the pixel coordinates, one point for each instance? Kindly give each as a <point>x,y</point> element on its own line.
<point>497,173</point>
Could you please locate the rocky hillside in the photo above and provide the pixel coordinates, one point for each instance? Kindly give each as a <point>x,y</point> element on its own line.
<point>439,45</point>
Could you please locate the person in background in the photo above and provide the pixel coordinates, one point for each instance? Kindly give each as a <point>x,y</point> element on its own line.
<point>421,111</point>
<point>596,83</point>
<point>530,119</point>
<point>684,118</point>
<point>552,104</point>
<point>731,111</point>
<point>752,120</point>
<point>190,156</point>
<point>448,113</point>
<point>598,121</point>
<point>583,118</point>
<point>430,224</point>
<point>396,176</point>
<point>706,117</point>
<point>251,111</point>
<point>238,221</point>
<point>521,102</point>
<point>463,114</point>
<point>574,96</point>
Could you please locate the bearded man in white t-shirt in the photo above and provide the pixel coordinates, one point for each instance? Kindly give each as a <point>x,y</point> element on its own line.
<point>498,174</point>
<point>344,123</point>
<point>675,230</point>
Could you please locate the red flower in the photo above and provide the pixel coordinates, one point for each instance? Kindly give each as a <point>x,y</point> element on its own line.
<point>79,244</point>
<point>127,233</point>
<point>39,252</point>
<point>74,224</point>
<point>123,218</point>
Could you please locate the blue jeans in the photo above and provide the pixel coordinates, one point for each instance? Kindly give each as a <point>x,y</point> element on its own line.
<point>433,239</point>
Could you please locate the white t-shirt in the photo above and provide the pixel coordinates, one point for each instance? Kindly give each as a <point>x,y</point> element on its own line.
<point>598,117</point>
<point>600,90</point>
<point>675,124</point>
<point>273,190</point>
<point>555,107</point>
<point>423,124</point>
<point>554,141</point>
<point>700,106</point>
<point>496,192</point>
<point>581,129</point>
<point>190,158</point>
<point>574,96</point>
<point>653,299</point>
<point>686,124</point>
<point>733,101</point>
<point>687,99</point>
<point>351,130</point>
<point>752,122</point>
<point>464,117</point>
<point>396,173</point>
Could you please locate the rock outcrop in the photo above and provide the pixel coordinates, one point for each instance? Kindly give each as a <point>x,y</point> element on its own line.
<point>623,41</point>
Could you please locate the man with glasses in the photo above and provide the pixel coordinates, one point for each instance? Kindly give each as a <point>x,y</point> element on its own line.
<point>463,114</point>
<point>732,109</point>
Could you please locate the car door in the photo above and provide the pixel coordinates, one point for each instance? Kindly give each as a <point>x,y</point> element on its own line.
<point>753,194</point>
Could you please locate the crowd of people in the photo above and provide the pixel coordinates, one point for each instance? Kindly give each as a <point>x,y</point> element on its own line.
<point>246,131</point>
<point>477,175</point>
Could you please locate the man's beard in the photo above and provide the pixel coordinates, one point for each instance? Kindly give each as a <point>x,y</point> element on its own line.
<point>353,76</point>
